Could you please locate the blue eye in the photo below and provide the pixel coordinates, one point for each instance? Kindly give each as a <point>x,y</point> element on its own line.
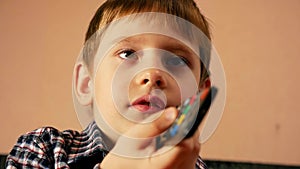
<point>127,54</point>
<point>176,61</point>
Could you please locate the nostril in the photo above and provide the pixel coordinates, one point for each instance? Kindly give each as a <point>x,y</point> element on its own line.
<point>158,82</point>
<point>145,81</point>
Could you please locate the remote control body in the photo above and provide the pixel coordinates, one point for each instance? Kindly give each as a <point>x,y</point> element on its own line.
<point>191,113</point>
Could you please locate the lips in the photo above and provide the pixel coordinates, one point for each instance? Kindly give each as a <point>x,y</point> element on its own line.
<point>148,104</point>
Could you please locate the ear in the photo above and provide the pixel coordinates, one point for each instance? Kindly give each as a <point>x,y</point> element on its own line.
<point>83,85</point>
<point>205,84</point>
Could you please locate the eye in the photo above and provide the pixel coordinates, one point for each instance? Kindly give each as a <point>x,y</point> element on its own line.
<point>127,54</point>
<point>176,61</point>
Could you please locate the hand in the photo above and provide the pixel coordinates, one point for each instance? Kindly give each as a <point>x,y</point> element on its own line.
<point>139,142</point>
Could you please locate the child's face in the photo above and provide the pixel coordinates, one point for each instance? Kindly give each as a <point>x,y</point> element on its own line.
<point>113,95</point>
<point>141,75</point>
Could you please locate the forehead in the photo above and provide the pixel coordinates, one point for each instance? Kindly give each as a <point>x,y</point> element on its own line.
<point>153,41</point>
<point>178,30</point>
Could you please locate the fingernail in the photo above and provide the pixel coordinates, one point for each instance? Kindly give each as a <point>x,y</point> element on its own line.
<point>170,114</point>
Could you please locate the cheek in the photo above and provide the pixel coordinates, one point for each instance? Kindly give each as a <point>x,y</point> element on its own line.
<point>174,96</point>
<point>104,102</point>
<point>102,88</point>
<point>104,78</point>
<point>197,71</point>
<point>197,75</point>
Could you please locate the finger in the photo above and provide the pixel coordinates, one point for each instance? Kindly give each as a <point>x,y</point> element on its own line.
<point>197,140</point>
<point>156,127</point>
<point>197,134</point>
<point>191,144</point>
<point>183,154</point>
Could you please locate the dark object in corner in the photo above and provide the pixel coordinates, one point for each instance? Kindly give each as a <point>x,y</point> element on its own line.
<point>213,165</point>
<point>2,161</point>
<point>243,165</point>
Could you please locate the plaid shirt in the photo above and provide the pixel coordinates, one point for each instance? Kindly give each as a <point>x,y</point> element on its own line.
<point>49,148</point>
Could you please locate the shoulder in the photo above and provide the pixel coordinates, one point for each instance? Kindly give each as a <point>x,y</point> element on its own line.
<point>38,147</point>
<point>200,164</point>
<point>44,137</point>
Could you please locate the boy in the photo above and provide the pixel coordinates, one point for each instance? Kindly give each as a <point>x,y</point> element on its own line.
<point>131,75</point>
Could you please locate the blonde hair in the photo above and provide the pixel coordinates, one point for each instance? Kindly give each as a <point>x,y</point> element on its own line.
<point>111,10</point>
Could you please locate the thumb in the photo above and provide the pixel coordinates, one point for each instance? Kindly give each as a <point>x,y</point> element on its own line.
<point>159,125</point>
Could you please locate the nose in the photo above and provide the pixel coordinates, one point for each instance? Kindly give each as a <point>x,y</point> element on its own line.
<point>152,78</point>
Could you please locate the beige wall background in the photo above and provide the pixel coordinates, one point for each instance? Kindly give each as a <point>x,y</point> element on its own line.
<point>258,42</point>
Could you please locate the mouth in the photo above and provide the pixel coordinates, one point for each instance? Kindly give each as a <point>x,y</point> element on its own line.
<point>148,104</point>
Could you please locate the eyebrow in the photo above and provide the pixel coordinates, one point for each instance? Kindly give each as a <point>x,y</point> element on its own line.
<point>178,46</point>
<point>122,39</point>
<point>174,45</point>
